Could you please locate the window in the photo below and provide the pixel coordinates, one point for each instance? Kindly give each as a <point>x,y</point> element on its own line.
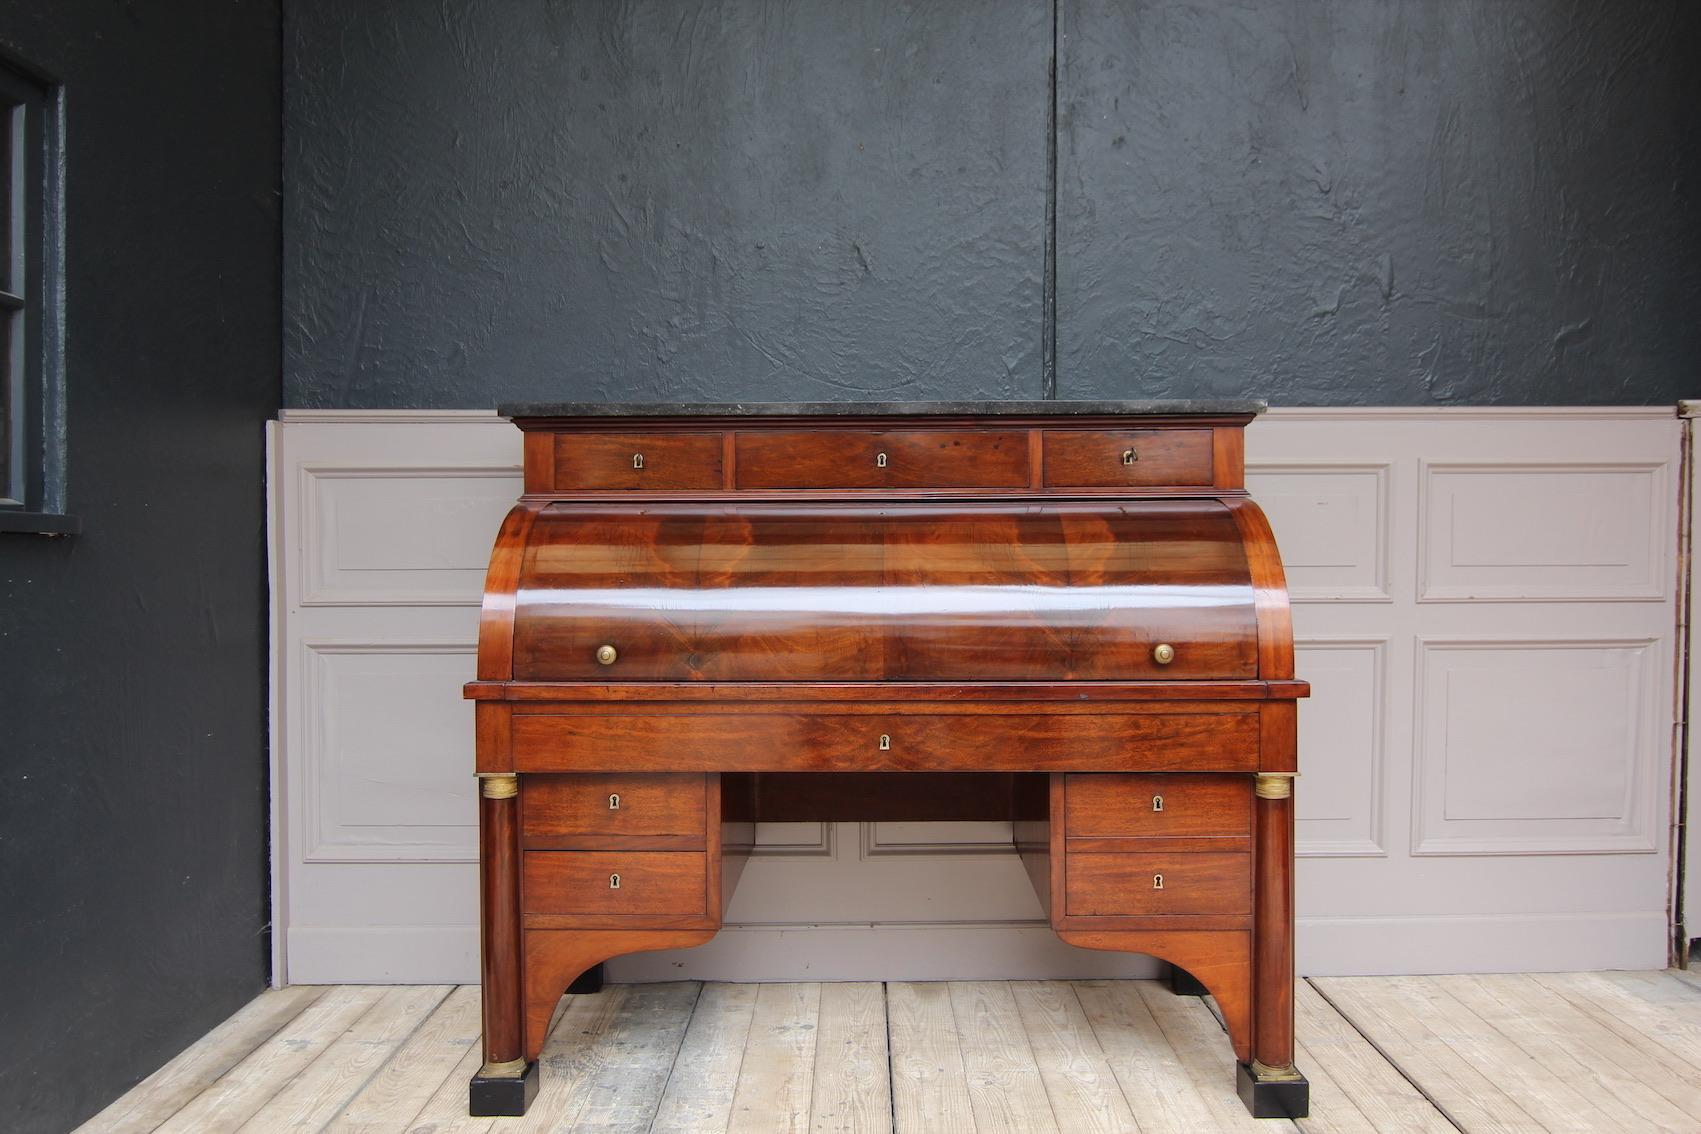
<point>32,396</point>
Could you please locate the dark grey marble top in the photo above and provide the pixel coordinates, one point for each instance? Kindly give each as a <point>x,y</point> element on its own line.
<point>1160,408</point>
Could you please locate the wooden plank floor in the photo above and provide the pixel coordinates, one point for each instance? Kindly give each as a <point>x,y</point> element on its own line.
<point>1552,1053</point>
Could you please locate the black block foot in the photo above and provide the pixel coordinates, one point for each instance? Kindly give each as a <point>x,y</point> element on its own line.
<point>1184,983</point>
<point>500,1096</point>
<point>589,981</point>
<point>1272,1098</point>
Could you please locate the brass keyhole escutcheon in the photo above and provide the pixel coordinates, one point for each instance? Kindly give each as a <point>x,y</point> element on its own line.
<point>1157,881</point>
<point>614,801</point>
<point>1157,803</point>
<point>1129,456</point>
<point>880,460</point>
<point>607,654</point>
<point>885,742</point>
<point>1163,653</point>
<point>637,460</point>
<point>614,881</point>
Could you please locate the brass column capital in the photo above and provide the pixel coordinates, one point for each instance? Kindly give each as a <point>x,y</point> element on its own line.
<point>498,785</point>
<point>1273,785</point>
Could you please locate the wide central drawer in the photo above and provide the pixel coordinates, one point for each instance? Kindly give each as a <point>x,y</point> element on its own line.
<point>773,739</point>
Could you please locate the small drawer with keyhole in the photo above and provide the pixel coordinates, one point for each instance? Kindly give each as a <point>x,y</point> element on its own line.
<point>1127,458</point>
<point>615,882</point>
<point>638,462</point>
<point>557,809</point>
<point>1131,885</point>
<point>882,458</point>
<point>1158,805</point>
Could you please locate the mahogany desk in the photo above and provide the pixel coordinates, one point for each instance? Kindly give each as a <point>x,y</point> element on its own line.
<point>1069,615</point>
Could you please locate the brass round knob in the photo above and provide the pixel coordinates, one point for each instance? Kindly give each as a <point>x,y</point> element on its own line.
<point>1163,653</point>
<point>607,654</point>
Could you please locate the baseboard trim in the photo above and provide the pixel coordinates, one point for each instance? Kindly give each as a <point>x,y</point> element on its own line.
<point>385,954</point>
<point>1495,943</point>
<point>1328,946</point>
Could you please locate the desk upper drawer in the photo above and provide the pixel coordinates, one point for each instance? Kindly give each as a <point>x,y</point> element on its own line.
<point>872,458</point>
<point>1127,458</point>
<point>637,462</point>
<point>762,739</point>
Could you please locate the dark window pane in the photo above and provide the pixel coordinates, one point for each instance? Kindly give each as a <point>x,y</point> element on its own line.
<point>9,184</point>
<point>8,408</point>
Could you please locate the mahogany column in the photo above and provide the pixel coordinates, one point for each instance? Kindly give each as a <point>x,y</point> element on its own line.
<point>506,1080</point>
<point>1270,1086</point>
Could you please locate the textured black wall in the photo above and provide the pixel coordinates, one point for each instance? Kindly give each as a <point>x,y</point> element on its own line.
<point>1376,202</point>
<point>631,201</point>
<point>132,657</point>
<point>1327,203</point>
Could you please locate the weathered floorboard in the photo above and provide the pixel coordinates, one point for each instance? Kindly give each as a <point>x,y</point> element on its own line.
<point>698,1095</point>
<point>852,1087</point>
<point>930,1094</point>
<point>168,1090</point>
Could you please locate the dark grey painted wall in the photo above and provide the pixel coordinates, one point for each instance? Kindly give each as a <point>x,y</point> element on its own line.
<point>132,656</point>
<point>1329,203</point>
<point>810,198</point>
<point>1359,203</point>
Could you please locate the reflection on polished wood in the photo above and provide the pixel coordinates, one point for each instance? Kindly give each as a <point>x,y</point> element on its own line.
<point>1082,626</point>
<point>848,592</point>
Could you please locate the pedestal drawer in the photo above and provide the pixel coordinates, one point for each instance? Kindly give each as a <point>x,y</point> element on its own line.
<point>592,882</point>
<point>1132,885</point>
<point>1158,806</point>
<point>605,804</point>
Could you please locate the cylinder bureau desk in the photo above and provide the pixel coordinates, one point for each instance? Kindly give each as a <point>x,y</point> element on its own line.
<point>1069,615</point>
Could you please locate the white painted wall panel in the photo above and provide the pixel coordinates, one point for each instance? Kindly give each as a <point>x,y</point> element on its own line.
<point>1344,741</point>
<point>1535,747</point>
<point>1483,602</point>
<point>1530,532</point>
